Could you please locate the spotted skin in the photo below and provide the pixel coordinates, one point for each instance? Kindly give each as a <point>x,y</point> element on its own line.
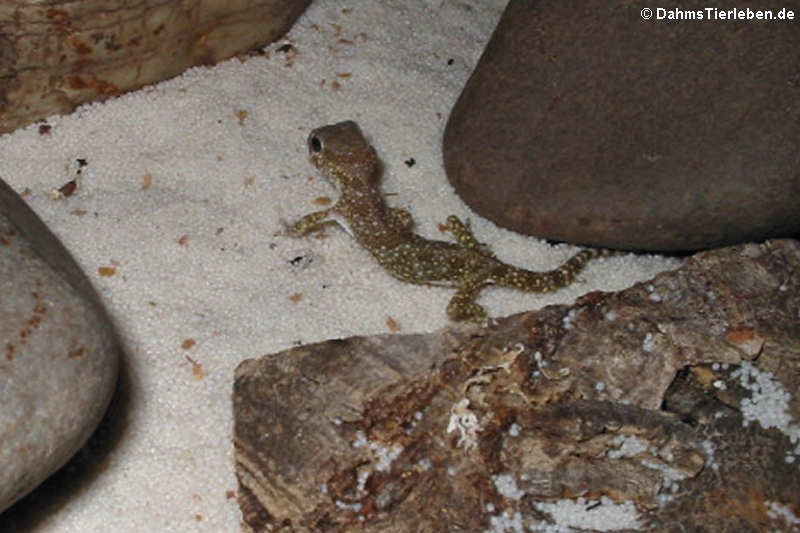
<point>346,159</point>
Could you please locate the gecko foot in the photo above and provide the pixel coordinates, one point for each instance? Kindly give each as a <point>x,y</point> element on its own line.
<point>460,311</point>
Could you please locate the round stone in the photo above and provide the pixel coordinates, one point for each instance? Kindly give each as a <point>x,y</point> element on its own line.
<point>590,124</point>
<point>59,355</point>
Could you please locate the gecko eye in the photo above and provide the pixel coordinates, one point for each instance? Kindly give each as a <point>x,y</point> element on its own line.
<point>314,144</point>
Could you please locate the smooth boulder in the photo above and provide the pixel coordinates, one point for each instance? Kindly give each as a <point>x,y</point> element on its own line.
<point>589,124</point>
<point>59,355</point>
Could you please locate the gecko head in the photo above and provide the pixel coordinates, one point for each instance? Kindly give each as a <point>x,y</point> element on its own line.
<point>343,155</point>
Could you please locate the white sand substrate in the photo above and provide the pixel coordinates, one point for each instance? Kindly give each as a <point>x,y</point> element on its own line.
<point>175,216</point>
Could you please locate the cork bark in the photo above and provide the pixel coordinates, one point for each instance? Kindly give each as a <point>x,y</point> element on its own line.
<point>57,55</point>
<point>670,405</point>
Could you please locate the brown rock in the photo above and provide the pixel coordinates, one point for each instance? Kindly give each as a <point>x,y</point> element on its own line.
<point>58,55</point>
<point>587,124</point>
<point>669,406</point>
<point>59,354</point>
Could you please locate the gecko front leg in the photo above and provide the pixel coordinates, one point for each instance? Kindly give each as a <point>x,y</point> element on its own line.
<point>311,222</point>
<point>400,219</point>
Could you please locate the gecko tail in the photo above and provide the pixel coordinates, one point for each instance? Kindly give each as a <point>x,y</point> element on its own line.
<point>549,280</point>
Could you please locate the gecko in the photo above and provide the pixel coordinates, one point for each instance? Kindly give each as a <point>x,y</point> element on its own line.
<point>351,165</point>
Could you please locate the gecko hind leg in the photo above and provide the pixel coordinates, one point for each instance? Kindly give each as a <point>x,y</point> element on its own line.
<point>463,234</point>
<point>462,305</point>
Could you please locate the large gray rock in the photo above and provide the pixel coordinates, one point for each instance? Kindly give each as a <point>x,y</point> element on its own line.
<point>584,123</point>
<point>59,355</point>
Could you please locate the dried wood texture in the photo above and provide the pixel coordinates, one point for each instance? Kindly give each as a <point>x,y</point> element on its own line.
<point>57,55</point>
<point>669,406</point>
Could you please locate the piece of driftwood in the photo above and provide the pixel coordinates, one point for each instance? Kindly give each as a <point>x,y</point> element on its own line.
<point>57,55</point>
<point>669,406</point>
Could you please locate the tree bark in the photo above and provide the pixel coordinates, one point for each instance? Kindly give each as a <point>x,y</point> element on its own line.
<point>670,406</point>
<point>59,54</point>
